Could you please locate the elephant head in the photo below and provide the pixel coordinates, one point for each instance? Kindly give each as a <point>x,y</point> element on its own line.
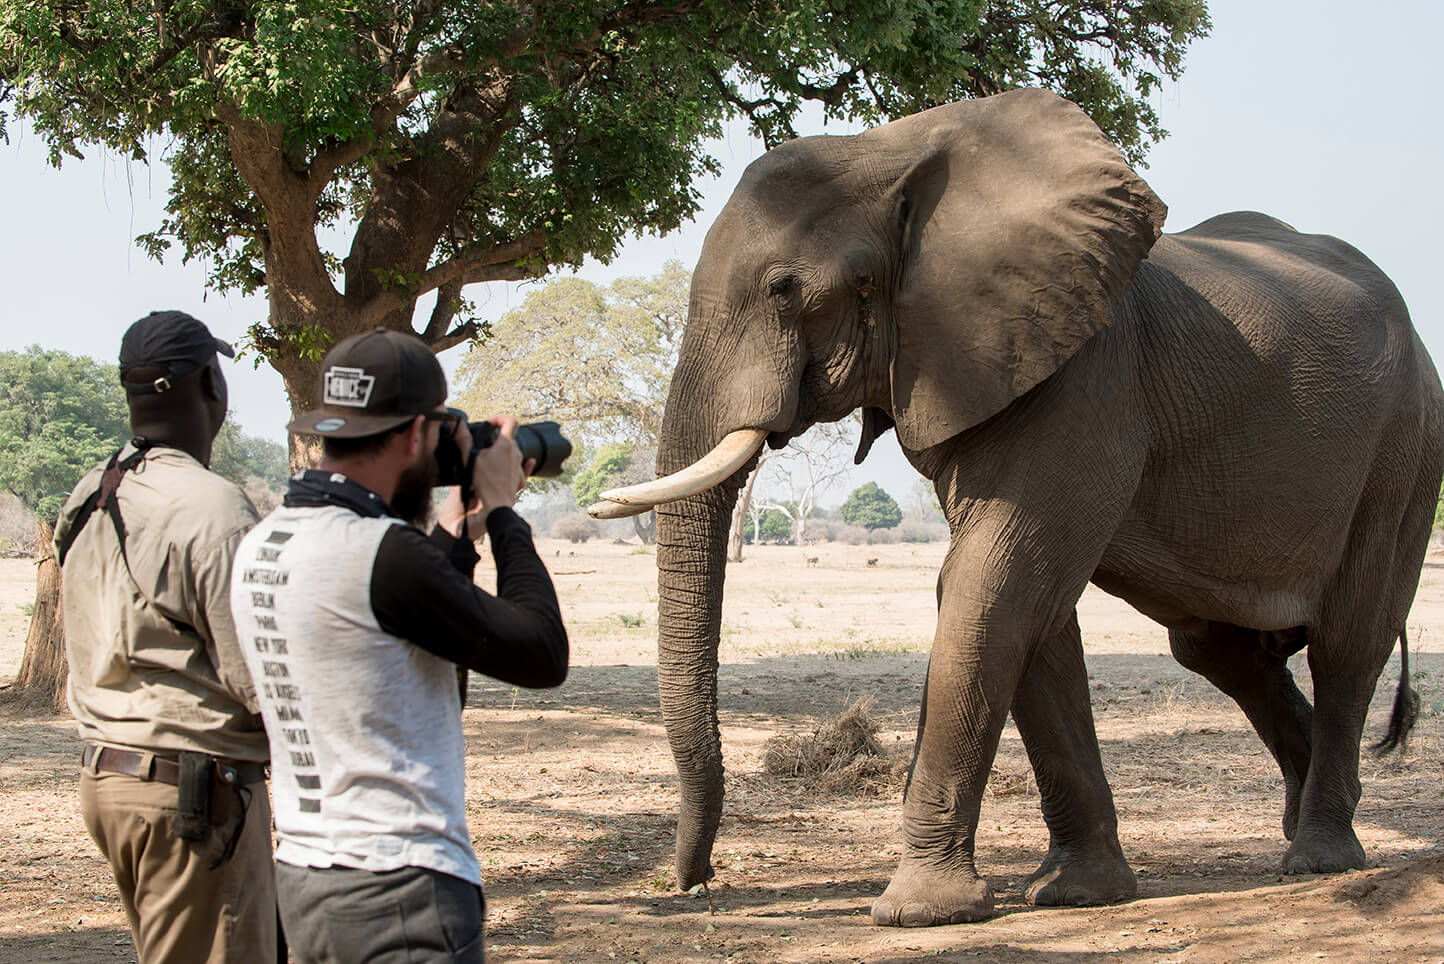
<point>929,271</point>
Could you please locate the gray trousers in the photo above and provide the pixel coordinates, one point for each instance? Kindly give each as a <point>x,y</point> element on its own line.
<point>341,915</point>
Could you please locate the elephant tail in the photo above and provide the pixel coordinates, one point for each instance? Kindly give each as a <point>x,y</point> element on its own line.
<point>1406,706</point>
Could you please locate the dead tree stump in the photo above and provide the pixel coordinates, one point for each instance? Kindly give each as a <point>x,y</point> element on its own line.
<point>43,668</point>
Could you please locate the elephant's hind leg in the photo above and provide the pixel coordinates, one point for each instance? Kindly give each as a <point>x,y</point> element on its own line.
<point>1257,677</point>
<point>1361,616</point>
<point>1085,863</point>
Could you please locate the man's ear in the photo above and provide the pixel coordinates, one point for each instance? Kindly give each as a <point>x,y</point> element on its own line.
<point>416,437</point>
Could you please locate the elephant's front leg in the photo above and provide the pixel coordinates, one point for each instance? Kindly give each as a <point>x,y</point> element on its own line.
<point>1085,863</point>
<point>977,660</point>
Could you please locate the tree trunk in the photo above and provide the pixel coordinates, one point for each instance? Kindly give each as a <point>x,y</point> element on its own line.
<point>738,528</point>
<point>43,667</point>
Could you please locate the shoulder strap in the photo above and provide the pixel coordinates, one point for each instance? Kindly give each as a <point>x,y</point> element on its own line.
<point>87,508</point>
<point>104,498</point>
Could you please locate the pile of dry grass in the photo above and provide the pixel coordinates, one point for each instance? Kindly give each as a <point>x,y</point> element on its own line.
<point>840,756</point>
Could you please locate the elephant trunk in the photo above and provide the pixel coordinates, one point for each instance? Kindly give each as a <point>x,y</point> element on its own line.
<point>691,563</point>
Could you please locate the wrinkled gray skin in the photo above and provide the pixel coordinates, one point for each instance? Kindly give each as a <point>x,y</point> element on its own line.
<point>1239,435</point>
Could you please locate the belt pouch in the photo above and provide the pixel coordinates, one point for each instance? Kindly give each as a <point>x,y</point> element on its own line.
<point>193,810</point>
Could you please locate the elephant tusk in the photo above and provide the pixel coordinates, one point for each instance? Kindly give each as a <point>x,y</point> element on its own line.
<point>730,455</point>
<point>615,510</point>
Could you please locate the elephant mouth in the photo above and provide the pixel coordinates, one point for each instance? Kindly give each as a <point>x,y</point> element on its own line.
<point>727,457</point>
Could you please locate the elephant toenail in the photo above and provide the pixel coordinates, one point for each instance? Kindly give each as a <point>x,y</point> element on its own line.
<point>915,914</point>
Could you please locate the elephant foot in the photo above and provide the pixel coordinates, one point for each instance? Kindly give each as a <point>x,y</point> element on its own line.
<point>1319,853</point>
<point>920,896</point>
<point>1078,878</point>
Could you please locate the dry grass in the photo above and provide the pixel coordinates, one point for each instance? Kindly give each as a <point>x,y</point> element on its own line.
<point>842,755</point>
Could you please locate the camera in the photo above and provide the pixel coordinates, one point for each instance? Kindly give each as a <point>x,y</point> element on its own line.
<point>542,441</point>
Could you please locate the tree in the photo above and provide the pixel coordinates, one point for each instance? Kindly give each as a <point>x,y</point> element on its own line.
<point>59,415</point>
<point>870,507</point>
<point>772,525</point>
<point>460,143</point>
<point>619,463</point>
<point>596,358</point>
<point>241,457</point>
<point>810,463</point>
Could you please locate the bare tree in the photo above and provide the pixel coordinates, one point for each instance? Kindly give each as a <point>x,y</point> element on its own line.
<point>809,464</point>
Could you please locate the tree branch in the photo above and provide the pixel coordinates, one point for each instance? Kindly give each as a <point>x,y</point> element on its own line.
<point>475,264</point>
<point>447,298</point>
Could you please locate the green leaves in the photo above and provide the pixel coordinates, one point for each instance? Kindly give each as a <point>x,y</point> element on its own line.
<point>870,507</point>
<point>59,416</point>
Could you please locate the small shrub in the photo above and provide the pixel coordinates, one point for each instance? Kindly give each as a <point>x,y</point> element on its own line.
<point>851,535</point>
<point>913,530</point>
<point>818,532</point>
<point>577,527</point>
<point>630,620</point>
<point>882,537</point>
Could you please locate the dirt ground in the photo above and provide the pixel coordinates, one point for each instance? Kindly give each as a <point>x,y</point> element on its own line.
<point>572,793</point>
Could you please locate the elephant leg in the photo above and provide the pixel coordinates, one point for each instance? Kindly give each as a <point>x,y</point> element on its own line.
<point>989,620</point>
<point>1085,863</point>
<point>1361,616</point>
<point>965,703</point>
<point>1236,661</point>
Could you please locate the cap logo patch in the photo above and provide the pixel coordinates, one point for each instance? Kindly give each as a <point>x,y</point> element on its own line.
<point>329,424</point>
<point>348,386</point>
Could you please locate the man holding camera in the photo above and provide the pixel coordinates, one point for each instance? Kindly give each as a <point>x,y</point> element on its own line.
<point>354,624</point>
<point>172,782</point>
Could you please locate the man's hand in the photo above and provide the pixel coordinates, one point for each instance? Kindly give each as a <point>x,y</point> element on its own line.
<point>498,478</point>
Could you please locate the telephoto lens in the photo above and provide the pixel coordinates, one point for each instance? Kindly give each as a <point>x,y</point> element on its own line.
<point>542,441</point>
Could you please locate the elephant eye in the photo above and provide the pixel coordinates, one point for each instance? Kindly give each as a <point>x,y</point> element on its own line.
<point>783,286</point>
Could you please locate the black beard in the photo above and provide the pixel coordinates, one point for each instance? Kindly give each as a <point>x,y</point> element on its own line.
<point>412,499</point>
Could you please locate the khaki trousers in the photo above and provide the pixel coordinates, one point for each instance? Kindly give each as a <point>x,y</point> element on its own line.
<point>180,911</point>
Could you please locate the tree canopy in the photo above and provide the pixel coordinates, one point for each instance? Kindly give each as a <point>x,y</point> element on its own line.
<point>60,414</point>
<point>871,507</point>
<point>596,358</point>
<point>459,143</point>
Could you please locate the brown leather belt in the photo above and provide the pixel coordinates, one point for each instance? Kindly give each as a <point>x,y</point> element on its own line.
<point>148,766</point>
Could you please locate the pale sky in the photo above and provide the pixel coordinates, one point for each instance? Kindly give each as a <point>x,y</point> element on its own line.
<point>1320,112</point>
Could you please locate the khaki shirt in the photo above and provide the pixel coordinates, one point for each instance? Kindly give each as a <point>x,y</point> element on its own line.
<point>136,679</point>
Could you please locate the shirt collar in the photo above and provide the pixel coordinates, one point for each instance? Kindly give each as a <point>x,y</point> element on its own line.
<point>313,487</point>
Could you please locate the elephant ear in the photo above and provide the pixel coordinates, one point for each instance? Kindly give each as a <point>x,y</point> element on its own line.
<point>1020,226</point>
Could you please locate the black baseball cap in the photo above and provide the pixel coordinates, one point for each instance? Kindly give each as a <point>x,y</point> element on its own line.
<point>172,341</point>
<point>373,382</point>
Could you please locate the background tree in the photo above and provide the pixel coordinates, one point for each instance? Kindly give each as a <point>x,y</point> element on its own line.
<point>870,507</point>
<point>596,358</point>
<point>460,143</point>
<point>614,464</point>
<point>773,525</point>
<point>59,415</point>
<point>810,464</point>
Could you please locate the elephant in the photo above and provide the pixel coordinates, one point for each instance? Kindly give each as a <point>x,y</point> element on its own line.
<point>1234,428</point>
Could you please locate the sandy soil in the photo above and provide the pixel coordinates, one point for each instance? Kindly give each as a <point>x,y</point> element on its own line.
<point>572,793</point>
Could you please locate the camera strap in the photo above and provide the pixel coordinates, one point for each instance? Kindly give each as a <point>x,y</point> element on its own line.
<point>468,493</point>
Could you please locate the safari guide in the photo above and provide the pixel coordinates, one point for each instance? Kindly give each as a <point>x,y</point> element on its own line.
<point>172,783</point>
